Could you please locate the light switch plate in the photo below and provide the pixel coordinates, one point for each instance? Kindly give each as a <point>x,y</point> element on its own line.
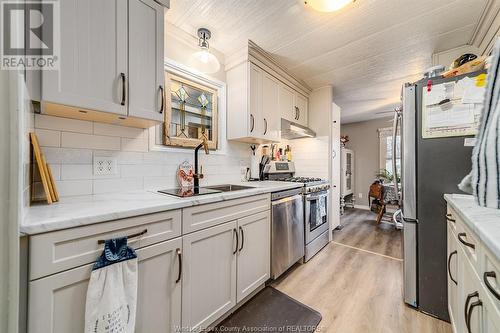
<point>104,165</point>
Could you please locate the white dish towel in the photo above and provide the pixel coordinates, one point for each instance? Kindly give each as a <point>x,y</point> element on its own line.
<point>112,291</point>
<point>484,180</point>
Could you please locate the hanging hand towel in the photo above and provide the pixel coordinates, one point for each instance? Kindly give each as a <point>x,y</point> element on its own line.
<point>112,291</point>
<point>484,180</point>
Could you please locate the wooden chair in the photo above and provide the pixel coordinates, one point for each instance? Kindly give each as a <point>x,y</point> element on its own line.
<point>377,193</point>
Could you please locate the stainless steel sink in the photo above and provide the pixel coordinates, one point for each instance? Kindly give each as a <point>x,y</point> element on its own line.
<point>228,187</point>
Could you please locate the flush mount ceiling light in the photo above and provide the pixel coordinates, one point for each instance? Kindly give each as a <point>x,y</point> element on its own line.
<point>327,5</point>
<point>203,60</point>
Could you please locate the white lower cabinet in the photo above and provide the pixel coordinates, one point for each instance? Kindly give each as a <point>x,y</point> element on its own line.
<point>209,275</point>
<point>254,253</point>
<point>223,265</point>
<point>472,303</point>
<point>57,302</point>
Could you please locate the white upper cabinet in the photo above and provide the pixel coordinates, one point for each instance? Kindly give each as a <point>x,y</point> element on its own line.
<point>287,102</point>
<point>256,126</point>
<point>259,93</point>
<point>257,101</point>
<point>111,61</point>
<point>270,107</point>
<point>301,109</point>
<point>146,74</point>
<point>93,56</point>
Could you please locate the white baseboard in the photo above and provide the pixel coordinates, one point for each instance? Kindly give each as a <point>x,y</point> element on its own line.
<point>362,207</point>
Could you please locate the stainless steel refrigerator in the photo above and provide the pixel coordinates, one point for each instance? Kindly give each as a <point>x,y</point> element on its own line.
<point>430,168</point>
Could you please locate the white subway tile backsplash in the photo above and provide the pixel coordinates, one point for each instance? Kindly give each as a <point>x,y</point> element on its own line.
<point>63,124</point>
<point>67,155</point>
<point>71,145</point>
<point>118,185</point>
<point>157,183</point>
<point>77,140</point>
<point>140,170</point>
<point>76,171</point>
<point>117,130</point>
<point>48,138</point>
<point>74,187</point>
<point>139,144</point>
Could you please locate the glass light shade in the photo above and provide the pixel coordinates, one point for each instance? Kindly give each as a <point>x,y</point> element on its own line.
<point>327,5</point>
<point>204,61</point>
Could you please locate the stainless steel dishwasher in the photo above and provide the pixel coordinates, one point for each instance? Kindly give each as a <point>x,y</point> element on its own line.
<point>287,230</point>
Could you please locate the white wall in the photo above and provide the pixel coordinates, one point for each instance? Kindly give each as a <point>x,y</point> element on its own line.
<point>365,142</point>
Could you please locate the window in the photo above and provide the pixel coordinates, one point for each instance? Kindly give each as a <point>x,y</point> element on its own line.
<point>385,135</point>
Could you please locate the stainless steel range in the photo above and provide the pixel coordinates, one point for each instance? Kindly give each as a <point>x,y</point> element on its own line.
<point>315,193</point>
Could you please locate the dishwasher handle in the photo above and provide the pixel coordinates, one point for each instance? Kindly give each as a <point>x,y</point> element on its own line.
<point>287,199</point>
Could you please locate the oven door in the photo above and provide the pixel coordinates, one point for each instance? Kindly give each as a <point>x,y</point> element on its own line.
<point>316,206</point>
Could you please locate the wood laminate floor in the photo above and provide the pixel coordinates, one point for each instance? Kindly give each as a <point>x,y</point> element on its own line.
<point>356,282</point>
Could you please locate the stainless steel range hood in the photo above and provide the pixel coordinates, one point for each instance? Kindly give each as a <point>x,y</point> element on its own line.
<point>291,130</point>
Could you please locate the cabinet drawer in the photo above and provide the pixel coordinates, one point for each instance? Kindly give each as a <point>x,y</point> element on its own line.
<point>204,216</point>
<point>469,243</point>
<point>61,250</point>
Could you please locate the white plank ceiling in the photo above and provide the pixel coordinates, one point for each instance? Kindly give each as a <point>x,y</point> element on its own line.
<point>366,51</point>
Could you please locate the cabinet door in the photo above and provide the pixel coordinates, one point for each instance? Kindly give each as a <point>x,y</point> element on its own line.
<point>287,103</point>
<point>470,292</point>
<point>270,107</point>
<point>93,56</point>
<point>453,282</point>
<point>255,122</point>
<point>254,253</point>
<point>146,74</point>
<point>57,302</point>
<point>491,318</point>
<point>301,103</point>
<point>209,275</point>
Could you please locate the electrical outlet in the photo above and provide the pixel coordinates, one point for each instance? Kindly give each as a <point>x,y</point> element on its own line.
<point>104,165</point>
<point>360,195</point>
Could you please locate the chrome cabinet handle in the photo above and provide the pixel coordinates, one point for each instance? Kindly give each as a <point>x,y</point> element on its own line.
<point>492,290</point>
<point>235,232</point>
<point>242,239</point>
<point>449,269</point>
<point>124,90</point>
<point>252,119</point>
<point>460,238</point>
<point>162,99</point>
<point>265,123</point>
<point>179,256</point>
<point>448,218</point>
<point>469,313</point>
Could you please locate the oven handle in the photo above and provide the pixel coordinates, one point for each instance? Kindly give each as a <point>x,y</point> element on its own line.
<point>316,197</point>
<point>287,199</point>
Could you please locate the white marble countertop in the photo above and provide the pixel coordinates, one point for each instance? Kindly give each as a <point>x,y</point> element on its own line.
<point>89,209</point>
<point>484,222</point>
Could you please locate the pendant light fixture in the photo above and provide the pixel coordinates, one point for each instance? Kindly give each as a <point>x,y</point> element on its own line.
<point>327,5</point>
<point>203,60</point>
